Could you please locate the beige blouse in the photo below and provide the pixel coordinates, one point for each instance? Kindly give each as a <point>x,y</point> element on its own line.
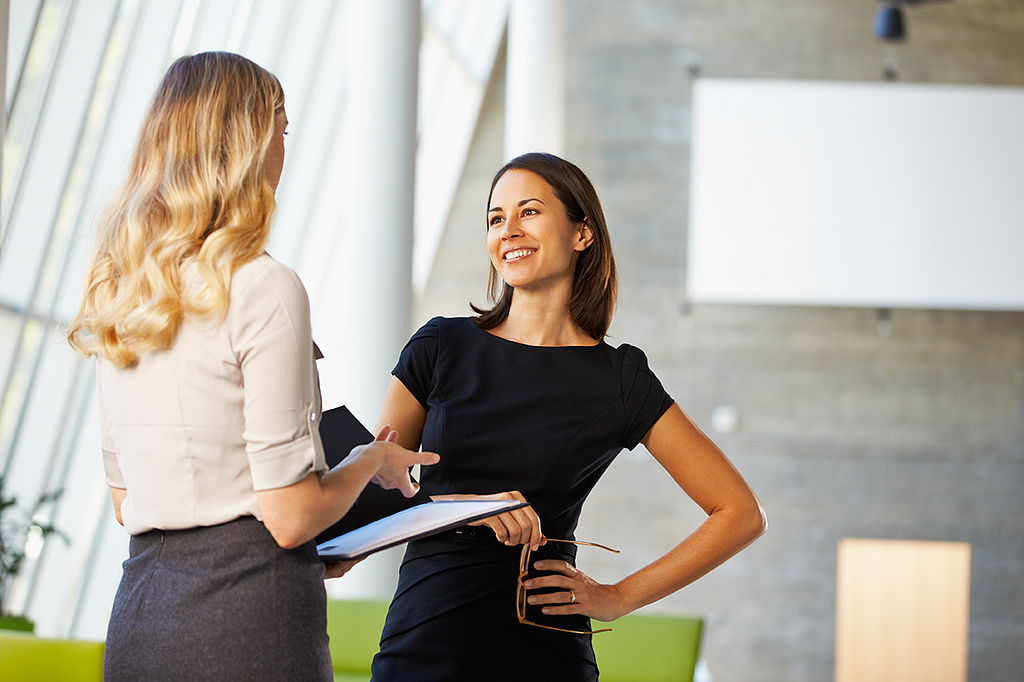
<point>192,432</point>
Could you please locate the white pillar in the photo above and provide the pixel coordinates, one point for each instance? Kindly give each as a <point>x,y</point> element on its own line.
<point>381,158</point>
<point>374,270</point>
<point>5,13</point>
<point>535,78</point>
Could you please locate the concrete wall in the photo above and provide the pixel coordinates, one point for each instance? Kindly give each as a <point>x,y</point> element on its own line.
<point>853,422</point>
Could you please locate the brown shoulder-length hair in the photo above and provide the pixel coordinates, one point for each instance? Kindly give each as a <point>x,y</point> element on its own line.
<point>594,284</point>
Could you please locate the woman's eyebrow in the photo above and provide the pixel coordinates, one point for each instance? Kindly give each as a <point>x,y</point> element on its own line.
<point>521,203</point>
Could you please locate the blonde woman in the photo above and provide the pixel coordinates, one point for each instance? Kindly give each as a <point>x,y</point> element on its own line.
<point>209,401</point>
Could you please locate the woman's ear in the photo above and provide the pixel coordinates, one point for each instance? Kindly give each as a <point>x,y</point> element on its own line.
<point>586,236</point>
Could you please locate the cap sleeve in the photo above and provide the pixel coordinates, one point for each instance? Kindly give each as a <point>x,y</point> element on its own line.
<point>415,368</point>
<point>644,398</point>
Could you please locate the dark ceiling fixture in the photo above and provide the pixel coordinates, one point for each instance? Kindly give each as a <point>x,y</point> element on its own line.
<point>888,24</point>
<point>889,21</point>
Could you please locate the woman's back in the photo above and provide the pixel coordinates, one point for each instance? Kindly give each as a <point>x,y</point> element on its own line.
<point>187,437</point>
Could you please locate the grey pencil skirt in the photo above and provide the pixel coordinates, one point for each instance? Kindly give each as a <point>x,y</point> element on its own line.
<point>218,603</point>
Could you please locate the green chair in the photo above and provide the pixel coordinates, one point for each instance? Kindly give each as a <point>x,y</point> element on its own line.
<point>649,648</point>
<point>27,658</point>
<point>640,648</point>
<point>354,627</point>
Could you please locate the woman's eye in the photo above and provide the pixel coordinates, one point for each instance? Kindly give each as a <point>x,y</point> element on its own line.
<point>529,211</point>
<point>495,220</point>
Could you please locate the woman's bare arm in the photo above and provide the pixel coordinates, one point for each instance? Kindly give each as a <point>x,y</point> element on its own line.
<point>298,513</point>
<point>735,519</point>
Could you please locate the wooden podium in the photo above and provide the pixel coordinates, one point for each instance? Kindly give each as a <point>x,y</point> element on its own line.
<point>902,611</point>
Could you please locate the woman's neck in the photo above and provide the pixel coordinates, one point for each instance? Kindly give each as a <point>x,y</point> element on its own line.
<point>541,321</point>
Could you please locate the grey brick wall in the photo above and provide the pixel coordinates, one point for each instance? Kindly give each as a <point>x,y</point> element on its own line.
<point>852,424</point>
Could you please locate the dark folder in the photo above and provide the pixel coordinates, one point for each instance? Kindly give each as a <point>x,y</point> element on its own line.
<point>384,518</point>
<point>340,431</point>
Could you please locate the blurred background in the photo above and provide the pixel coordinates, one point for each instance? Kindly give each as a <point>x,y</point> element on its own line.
<point>817,221</point>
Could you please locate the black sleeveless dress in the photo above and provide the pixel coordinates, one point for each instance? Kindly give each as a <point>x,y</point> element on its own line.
<point>546,421</point>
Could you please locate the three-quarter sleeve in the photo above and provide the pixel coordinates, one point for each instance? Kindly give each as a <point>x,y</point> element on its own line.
<point>272,339</point>
<point>644,398</point>
<point>111,469</point>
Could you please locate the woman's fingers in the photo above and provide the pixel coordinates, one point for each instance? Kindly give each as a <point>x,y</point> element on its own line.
<point>517,527</point>
<point>563,574</point>
<point>574,592</point>
<point>338,568</point>
<point>396,463</point>
<point>512,528</point>
<point>571,590</point>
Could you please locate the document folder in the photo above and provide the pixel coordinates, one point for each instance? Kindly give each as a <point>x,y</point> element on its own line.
<point>340,431</point>
<point>414,523</point>
<point>384,518</point>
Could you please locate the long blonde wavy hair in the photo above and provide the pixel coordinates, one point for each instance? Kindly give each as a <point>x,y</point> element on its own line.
<point>195,193</point>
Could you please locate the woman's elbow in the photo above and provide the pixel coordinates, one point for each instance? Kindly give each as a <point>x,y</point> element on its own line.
<point>290,513</point>
<point>288,538</point>
<point>290,543</point>
<point>287,535</point>
<point>117,497</point>
<point>755,520</point>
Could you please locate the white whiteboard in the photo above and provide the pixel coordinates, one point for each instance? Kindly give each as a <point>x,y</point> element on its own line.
<point>857,194</point>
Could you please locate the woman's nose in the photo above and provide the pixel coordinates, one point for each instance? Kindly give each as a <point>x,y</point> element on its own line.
<point>510,229</point>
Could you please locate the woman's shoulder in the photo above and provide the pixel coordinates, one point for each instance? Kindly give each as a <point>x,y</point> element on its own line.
<point>263,286</point>
<point>439,325</point>
<point>639,380</point>
<point>631,360</point>
<point>441,335</point>
<point>264,267</point>
<point>630,354</point>
<point>264,274</point>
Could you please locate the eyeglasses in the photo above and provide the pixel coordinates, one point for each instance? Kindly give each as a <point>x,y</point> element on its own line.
<point>524,568</point>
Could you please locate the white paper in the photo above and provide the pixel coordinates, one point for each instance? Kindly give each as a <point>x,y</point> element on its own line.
<point>409,524</point>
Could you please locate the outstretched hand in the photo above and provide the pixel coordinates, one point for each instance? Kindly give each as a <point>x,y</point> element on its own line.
<point>396,462</point>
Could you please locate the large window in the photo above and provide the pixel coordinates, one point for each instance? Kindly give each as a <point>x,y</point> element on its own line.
<point>79,75</point>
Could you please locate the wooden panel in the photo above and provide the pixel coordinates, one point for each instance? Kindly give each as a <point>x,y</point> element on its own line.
<point>902,611</point>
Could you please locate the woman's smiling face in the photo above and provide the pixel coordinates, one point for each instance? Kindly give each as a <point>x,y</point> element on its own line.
<point>531,241</point>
